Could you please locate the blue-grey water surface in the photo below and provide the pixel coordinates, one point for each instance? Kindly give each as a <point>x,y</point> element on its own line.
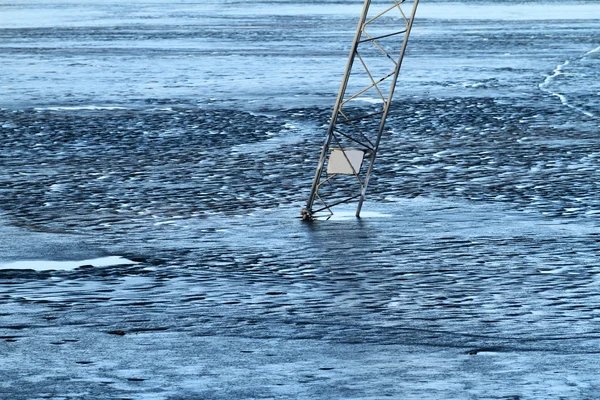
<point>184,135</point>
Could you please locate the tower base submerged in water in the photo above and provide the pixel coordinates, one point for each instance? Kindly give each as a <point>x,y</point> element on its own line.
<point>363,103</point>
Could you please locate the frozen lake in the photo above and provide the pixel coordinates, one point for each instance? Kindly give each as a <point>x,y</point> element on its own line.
<point>165,149</point>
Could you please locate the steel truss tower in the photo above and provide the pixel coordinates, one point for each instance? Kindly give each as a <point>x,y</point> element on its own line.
<point>361,108</point>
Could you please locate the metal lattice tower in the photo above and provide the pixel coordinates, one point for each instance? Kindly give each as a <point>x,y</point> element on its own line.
<point>356,126</point>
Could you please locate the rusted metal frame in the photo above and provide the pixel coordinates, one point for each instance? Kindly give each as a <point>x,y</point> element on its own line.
<point>338,105</point>
<point>370,76</point>
<point>387,108</point>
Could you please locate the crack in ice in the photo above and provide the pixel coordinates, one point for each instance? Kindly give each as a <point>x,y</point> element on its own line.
<point>559,71</point>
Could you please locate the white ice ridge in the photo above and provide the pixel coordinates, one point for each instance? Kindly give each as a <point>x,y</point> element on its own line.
<point>597,49</point>
<point>79,108</point>
<point>563,99</point>
<point>371,100</point>
<point>42,265</point>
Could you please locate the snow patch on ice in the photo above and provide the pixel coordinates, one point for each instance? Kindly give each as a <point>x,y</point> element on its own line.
<point>370,100</point>
<point>43,265</point>
<point>349,215</point>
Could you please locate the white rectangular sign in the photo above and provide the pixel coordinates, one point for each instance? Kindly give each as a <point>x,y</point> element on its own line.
<point>338,162</point>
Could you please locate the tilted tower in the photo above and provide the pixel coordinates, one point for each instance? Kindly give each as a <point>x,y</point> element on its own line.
<point>362,106</point>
